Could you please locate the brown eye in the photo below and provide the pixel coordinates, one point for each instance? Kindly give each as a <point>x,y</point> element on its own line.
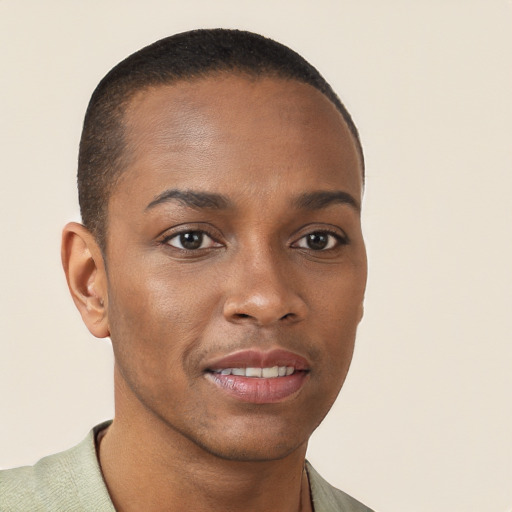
<point>317,241</point>
<point>320,241</point>
<point>192,240</point>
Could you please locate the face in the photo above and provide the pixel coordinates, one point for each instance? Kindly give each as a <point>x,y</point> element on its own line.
<point>235,261</point>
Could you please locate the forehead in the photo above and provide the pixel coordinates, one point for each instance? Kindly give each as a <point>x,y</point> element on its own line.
<point>237,132</point>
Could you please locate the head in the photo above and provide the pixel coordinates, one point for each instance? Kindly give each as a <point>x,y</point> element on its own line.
<point>182,57</point>
<point>225,247</point>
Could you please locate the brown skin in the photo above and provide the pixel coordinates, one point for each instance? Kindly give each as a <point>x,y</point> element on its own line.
<point>254,283</point>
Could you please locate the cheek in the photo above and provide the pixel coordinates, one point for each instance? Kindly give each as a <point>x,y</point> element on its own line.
<point>337,312</point>
<point>162,300</point>
<point>338,298</point>
<point>156,321</point>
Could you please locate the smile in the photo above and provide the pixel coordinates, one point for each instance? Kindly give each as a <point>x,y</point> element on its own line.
<point>259,377</point>
<point>258,373</point>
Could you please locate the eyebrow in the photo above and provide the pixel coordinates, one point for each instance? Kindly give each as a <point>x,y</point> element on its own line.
<point>324,198</point>
<point>308,201</point>
<point>191,199</point>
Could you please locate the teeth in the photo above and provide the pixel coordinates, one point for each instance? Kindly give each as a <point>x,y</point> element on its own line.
<point>266,373</point>
<point>270,372</point>
<point>253,372</point>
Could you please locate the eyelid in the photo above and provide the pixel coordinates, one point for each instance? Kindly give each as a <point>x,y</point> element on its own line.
<point>181,229</point>
<point>331,244</point>
<point>177,236</point>
<point>333,231</point>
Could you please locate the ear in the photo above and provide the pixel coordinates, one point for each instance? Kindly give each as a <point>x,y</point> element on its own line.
<point>87,280</point>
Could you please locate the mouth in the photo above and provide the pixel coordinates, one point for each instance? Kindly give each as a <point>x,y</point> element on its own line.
<point>258,373</point>
<point>259,377</point>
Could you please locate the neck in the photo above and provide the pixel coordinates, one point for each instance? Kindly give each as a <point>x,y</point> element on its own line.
<point>149,466</point>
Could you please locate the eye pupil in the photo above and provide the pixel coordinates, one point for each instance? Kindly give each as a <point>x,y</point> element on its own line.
<point>317,241</point>
<point>192,240</point>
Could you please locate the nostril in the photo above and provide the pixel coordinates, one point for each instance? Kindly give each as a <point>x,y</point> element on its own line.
<point>242,315</point>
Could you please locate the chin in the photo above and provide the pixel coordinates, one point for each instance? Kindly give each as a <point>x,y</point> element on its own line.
<point>252,452</point>
<point>252,438</point>
<point>254,442</point>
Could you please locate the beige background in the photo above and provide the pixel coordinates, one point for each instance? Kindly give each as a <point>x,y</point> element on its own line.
<point>424,422</point>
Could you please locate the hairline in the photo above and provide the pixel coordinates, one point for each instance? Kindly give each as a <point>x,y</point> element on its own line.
<point>123,98</point>
<point>123,106</point>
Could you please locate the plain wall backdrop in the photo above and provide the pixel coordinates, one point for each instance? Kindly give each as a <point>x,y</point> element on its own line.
<point>424,422</point>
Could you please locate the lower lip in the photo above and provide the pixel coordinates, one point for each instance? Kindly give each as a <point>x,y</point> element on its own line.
<point>259,390</point>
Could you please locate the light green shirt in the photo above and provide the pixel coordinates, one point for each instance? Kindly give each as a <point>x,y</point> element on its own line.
<point>71,481</point>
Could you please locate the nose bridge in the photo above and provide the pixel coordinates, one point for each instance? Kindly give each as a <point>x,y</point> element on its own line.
<point>262,288</point>
<point>265,272</point>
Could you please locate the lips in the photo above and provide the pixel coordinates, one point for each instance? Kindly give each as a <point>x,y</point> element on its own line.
<point>266,373</point>
<point>259,377</point>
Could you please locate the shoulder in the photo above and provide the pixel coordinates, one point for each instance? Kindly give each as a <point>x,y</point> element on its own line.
<point>327,498</point>
<point>70,480</point>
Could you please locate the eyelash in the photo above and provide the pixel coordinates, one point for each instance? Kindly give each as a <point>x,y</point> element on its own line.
<point>334,241</point>
<point>339,240</point>
<point>214,243</point>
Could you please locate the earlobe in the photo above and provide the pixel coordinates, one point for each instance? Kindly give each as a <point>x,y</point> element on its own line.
<point>85,274</point>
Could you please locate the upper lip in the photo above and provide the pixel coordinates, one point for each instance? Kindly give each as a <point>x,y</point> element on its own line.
<point>253,358</point>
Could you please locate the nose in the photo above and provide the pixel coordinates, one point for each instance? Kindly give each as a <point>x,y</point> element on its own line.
<point>262,290</point>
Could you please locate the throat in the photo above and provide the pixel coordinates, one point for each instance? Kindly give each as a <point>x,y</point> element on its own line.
<point>138,480</point>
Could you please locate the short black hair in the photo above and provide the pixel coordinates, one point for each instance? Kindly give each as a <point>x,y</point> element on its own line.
<point>184,56</point>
